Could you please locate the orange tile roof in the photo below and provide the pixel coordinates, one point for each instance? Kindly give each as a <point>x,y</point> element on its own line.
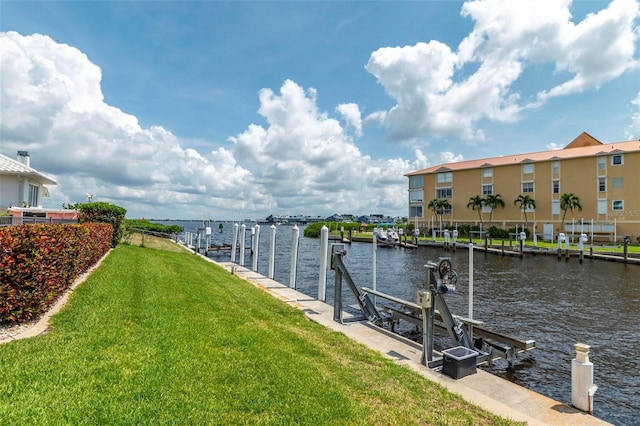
<point>558,154</point>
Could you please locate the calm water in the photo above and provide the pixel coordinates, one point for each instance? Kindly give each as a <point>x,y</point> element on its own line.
<point>555,303</point>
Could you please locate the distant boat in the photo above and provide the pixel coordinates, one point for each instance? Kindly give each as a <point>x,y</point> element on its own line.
<point>386,237</point>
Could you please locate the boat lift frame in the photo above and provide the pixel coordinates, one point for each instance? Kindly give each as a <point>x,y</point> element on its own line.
<point>430,305</point>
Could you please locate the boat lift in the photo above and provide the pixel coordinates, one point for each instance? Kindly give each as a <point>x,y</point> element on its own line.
<point>430,306</point>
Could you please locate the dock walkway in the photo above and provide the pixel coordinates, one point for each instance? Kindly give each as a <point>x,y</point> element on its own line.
<point>490,392</point>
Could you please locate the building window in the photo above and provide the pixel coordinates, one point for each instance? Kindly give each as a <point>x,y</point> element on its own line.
<point>555,207</point>
<point>617,182</point>
<point>617,160</point>
<point>33,195</point>
<point>444,177</point>
<point>487,172</point>
<point>527,187</point>
<point>415,181</point>
<point>555,186</point>
<point>602,206</point>
<point>617,205</point>
<point>527,168</point>
<point>444,193</point>
<point>415,211</point>
<point>556,167</point>
<point>601,163</point>
<point>416,195</point>
<point>602,184</point>
<point>487,189</point>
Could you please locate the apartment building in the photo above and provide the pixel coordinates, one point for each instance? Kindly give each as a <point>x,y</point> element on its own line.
<point>605,178</point>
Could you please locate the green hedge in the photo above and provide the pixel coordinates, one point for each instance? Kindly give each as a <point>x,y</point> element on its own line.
<point>152,226</point>
<point>39,262</point>
<point>105,213</point>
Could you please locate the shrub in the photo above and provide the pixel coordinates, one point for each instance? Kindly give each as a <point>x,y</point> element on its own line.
<point>106,213</point>
<point>39,262</point>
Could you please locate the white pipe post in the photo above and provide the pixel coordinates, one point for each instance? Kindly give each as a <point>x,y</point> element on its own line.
<point>234,242</point>
<point>243,236</point>
<point>582,387</point>
<point>535,237</point>
<point>591,232</point>
<point>253,239</point>
<point>375,268</point>
<point>615,230</point>
<point>256,247</point>
<point>295,234</point>
<point>272,251</point>
<point>322,280</point>
<point>471,288</point>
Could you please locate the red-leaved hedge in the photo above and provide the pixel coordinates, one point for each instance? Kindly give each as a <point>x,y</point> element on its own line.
<point>39,262</point>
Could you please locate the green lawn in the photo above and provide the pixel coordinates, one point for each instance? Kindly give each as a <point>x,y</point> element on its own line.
<point>158,337</point>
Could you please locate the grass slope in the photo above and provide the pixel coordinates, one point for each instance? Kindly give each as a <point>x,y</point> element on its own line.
<point>157,337</point>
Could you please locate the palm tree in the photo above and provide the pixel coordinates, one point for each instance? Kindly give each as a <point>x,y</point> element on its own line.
<point>568,202</point>
<point>439,206</point>
<point>525,203</point>
<point>476,203</point>
<point>494,201</point>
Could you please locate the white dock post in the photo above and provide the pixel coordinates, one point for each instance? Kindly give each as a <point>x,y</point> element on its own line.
<point>471,288</point>
<point>272,251</point>
<point>582,387</point>
<point>375,267</point>
<point>295,234</point>
<point>234,242</point>
<point>253,239</point>
<point>256,247</point>
<point>324,248</point>
<point>243,236</point>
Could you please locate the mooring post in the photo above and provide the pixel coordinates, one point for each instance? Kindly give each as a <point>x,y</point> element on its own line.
<point>234,242</point>
<point>560,240</point>
<point>324,250</point>
<point>566,246</point>
<point>583,239</point>
<point>471,289</point>
<point>374,260</point>
<point>272,251</point>
<point>253,239</point>
<point>582,387</point>
<point>455,237</point>
<point>486,242</point>
<point>256,247</point>
<point>243,236</point>
<point>295,234</point>
<point>446,240</point>
<point>627,240</point>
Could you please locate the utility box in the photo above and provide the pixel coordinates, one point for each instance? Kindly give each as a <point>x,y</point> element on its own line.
<point>459,362</point>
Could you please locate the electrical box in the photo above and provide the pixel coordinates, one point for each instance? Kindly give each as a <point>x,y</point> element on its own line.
<point>424,299</point>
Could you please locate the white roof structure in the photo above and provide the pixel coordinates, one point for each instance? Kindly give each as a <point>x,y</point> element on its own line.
<point>9,166</point>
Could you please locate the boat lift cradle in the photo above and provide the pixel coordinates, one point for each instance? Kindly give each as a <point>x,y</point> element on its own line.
<point>430,306</point>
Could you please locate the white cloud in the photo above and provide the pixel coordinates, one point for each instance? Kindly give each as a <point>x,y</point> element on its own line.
<point>633,132</point>
<point>301,161</point>
<point>450,157</point>
<point>553,146</point>
<point>309,161</point>
<point>437,97</point>
<point>52,105</point>
<point>351,114</point>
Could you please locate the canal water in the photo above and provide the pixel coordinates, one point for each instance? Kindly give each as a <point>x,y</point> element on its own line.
<point>556,303</point>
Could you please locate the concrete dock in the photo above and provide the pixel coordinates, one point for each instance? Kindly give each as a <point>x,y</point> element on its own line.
<point>483,389</point>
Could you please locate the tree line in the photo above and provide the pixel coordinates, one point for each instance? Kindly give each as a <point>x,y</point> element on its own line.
<point>568,202</point>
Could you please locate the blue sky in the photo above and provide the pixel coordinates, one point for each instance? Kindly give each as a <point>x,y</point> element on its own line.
<point>243,109</point>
